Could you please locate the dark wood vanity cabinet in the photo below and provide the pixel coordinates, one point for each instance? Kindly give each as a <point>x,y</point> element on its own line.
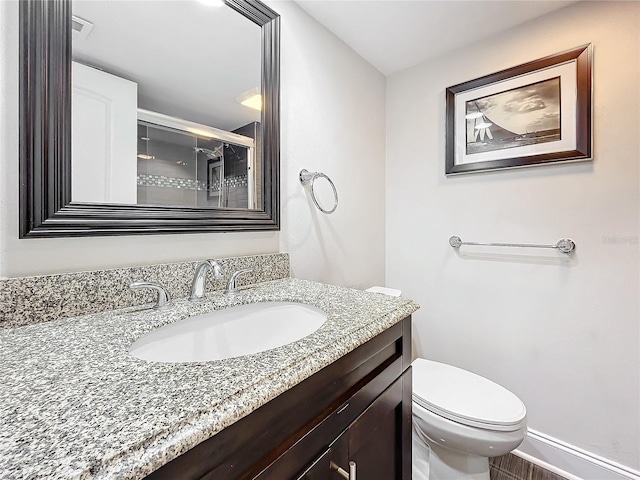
<point>369,445</point>
<point>358,409</point>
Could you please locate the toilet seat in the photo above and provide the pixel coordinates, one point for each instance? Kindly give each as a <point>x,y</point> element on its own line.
<point>466,398</point>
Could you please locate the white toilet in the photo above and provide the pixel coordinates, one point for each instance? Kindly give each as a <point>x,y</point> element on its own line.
<point>460,419</point>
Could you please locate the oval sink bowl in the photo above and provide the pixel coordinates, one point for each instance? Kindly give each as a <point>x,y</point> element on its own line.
<point>228,333</point>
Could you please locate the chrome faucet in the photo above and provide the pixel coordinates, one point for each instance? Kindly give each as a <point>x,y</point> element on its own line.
<point>164,298</point>
<point>200,277</point>
<point>231,286</point>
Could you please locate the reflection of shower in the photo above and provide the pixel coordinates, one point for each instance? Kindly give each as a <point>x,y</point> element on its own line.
<point>216,153</point>
<point>215,174</point>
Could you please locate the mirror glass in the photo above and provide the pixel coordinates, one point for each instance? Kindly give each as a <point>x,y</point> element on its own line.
<point>166,104</point>
<point>165,140</point>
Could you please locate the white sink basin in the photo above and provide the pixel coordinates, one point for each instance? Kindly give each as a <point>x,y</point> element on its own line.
<point>228,333</point>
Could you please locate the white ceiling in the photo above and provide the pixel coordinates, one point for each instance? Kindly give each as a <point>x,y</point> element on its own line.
<point>190,61</point>
<point>396,34</point>
<point>184,50</point>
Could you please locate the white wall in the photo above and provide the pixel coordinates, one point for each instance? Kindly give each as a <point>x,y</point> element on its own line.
<point>332,120</point>
<point>563,334</point>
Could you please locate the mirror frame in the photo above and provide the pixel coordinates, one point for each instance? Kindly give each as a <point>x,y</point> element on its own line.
<point>46,209</point>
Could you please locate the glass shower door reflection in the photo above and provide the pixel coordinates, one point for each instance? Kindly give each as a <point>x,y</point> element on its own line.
<point>181,168</point>
<point>215,177</point>
<point>167,164</point>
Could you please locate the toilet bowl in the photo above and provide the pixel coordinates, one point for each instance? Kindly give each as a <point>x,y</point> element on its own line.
<point>460,419</point>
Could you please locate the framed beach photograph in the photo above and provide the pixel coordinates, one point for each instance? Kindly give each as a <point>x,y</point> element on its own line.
<point>532,114</point>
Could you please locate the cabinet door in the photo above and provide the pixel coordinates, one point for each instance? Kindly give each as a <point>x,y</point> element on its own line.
<point>326,467</point>
<point>375,438</point>
<point>373,441</point>
<point>319,469</point>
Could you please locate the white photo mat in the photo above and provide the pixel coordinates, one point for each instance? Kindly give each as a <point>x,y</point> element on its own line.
<point>568,89</point>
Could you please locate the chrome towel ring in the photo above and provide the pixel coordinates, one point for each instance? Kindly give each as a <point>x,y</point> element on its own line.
<point>308,178</point>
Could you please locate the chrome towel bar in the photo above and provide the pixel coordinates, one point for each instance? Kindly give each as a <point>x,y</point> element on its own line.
<point>565,245</point>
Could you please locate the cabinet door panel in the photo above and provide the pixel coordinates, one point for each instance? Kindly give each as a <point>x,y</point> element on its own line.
<point>374,437</point>
<point>320,469</point>
<point>325,467</point>
<point>339,456</point>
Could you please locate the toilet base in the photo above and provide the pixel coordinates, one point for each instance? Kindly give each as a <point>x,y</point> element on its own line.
<point>420,453</point>
<point>433,462</point>
<point>445,464</point>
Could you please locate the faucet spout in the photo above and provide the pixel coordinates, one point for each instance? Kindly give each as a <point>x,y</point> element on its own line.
<point>200,277</point>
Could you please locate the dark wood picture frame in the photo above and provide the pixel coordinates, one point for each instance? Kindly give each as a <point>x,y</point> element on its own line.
<point>46,208</point>
<point>582,56</point>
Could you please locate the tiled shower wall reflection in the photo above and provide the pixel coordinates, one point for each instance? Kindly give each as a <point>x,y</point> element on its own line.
<point>182,169</point>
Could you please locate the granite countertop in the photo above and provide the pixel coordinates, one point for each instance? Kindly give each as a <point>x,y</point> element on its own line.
<point>74,404</point>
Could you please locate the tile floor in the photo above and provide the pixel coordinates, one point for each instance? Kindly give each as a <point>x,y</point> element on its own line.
<point>511,467</point>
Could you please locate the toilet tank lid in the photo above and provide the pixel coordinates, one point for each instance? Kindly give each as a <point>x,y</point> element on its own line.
<point>463,396</point>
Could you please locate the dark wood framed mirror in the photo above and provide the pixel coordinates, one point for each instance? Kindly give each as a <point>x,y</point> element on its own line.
<point>46,205</point>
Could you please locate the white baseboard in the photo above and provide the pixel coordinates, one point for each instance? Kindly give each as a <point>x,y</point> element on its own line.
<point>569,461</point>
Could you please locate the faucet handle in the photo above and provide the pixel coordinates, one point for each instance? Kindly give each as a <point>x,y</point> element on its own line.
<point>231,286</point>
<point>164,298</point>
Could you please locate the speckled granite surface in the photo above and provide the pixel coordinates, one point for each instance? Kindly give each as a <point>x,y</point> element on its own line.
<point>74,404</point>
<point>28,300</point>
